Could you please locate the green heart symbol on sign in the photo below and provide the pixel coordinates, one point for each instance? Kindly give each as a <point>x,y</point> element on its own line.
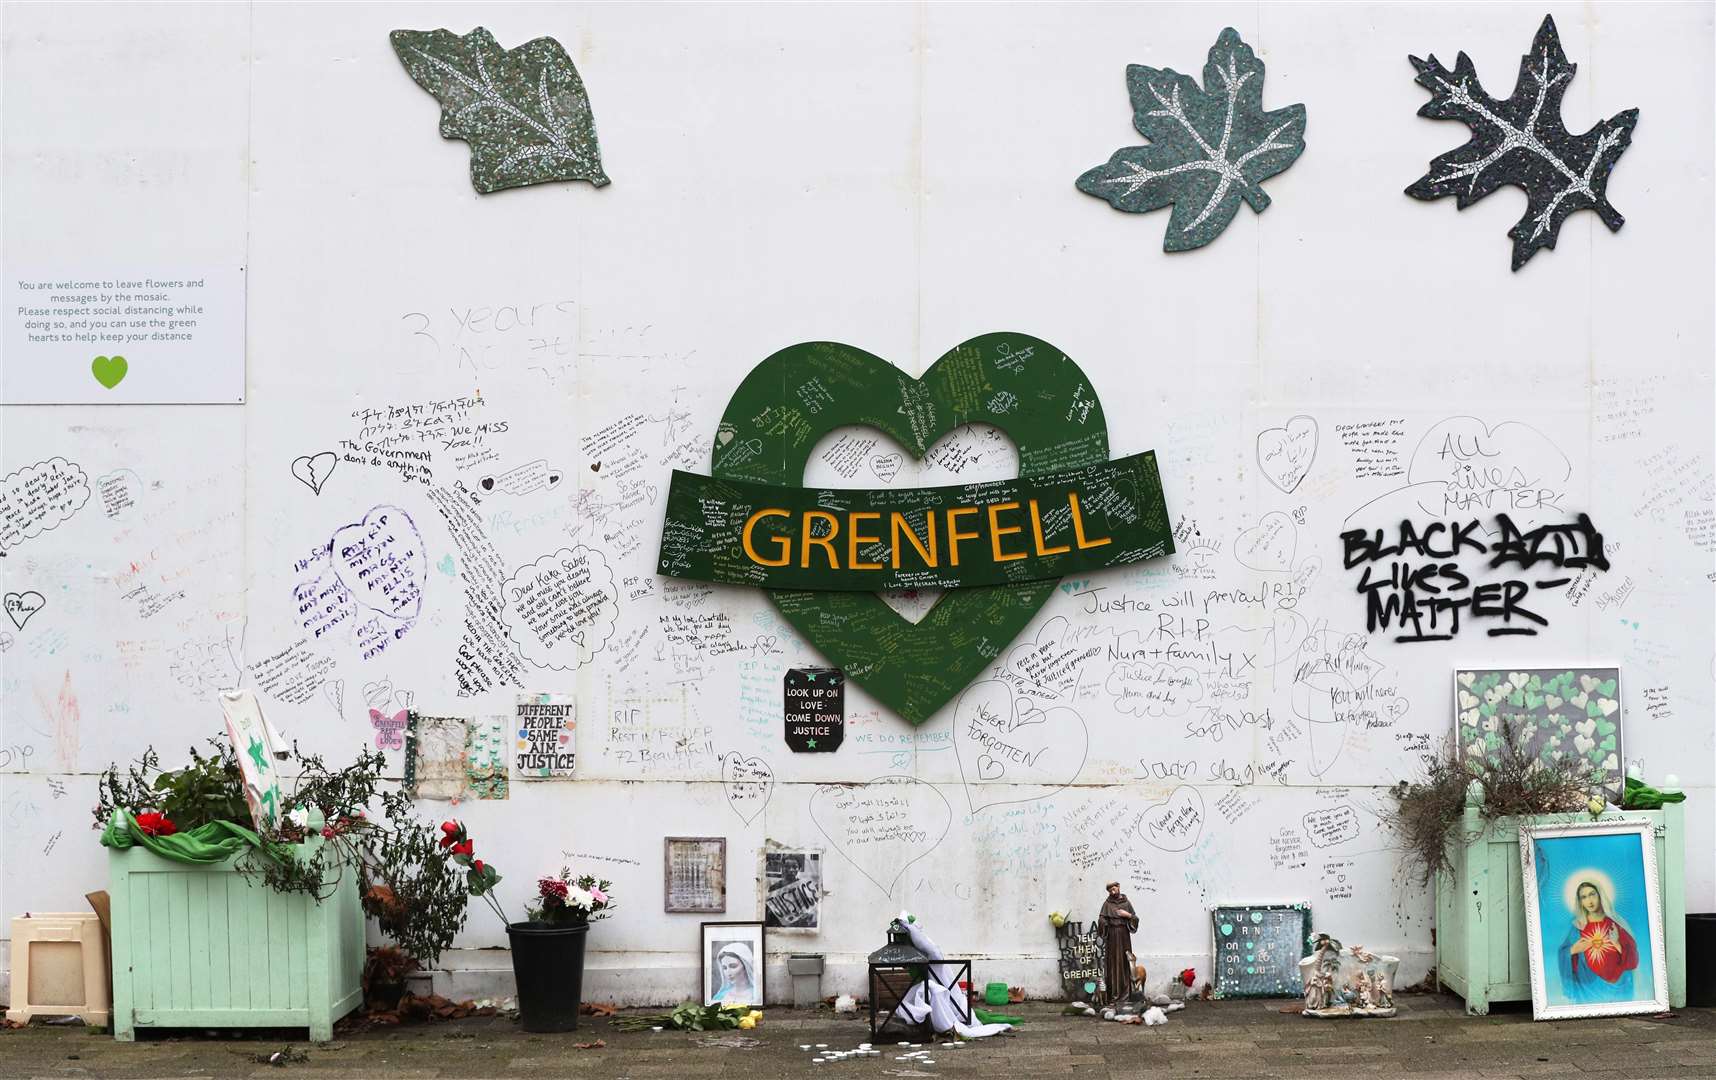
<point>1226,929</point>
<point>108,370</point>
<point>1018,383</point>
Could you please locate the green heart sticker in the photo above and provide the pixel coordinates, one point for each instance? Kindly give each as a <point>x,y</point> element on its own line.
<point>109,370</point>
<point>1018,383</point>
<point>1226,929</point>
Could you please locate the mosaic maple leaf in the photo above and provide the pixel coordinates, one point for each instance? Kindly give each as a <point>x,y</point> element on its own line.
<point>1522,141</point>
<point>1210,147</point>
<point>524,111</point>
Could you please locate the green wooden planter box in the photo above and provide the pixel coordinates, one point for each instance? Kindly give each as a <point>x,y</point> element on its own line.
<point>1481,950</point>
<point>207,947</point>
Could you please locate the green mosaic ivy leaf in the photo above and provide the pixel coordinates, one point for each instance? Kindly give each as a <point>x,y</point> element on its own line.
<point>1209,148</point>
<point>524,111</point>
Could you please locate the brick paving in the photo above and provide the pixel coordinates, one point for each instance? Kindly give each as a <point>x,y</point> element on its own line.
<point>1431,1039</point>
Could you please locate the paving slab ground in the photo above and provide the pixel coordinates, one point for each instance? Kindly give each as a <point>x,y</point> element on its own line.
<point>1431,1039</point>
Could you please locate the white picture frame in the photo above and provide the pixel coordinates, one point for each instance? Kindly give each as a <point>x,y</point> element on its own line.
<point>733,970</point>
<point>1565,869</point>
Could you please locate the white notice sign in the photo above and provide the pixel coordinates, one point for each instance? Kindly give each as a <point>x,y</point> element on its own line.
<point>167,335</point>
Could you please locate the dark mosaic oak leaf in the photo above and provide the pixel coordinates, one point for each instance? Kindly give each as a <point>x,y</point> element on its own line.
<point>1209,148</point>
<point>524,111</point>
<point>1522,141</point>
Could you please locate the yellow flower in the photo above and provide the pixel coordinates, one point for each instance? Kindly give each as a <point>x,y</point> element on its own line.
<point>748,1023</point>
<point>755,1014</point>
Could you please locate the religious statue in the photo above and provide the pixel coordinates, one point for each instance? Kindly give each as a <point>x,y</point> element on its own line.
<point>1347,981</point>
<point>1117,923</point>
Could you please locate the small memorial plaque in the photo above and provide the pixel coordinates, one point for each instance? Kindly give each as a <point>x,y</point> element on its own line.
<point>815,709</point>
<point>1258,949</point>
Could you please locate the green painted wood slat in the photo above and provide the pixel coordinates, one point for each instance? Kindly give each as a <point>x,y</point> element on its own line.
<point>1482,951</point>
<point>208,947</point>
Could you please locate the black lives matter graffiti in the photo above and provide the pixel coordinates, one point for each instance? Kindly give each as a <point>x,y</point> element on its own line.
<point>1413,582</point>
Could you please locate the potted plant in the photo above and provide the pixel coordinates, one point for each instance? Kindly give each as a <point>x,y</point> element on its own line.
<point>271,926</point>
<point>1459,824</point>
<point>418,891</point>
<point>384,975</point>
<point>278,918</point>
<point>548,946</point>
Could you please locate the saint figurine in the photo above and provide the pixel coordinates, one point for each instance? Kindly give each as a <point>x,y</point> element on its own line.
<point>1118,922</point>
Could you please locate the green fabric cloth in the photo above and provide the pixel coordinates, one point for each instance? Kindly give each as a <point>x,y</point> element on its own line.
<point>984,1016</point>
<point>214,842</point>
<point>1641,796</point>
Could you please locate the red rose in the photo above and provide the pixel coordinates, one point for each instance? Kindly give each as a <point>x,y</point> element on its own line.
<point>477,866</point>
<point>154,824</point>
<point>327,832</point>
<point>552,890</point>
<point>450,833</point>
<point>1188,976</point>
<point>464,847</point>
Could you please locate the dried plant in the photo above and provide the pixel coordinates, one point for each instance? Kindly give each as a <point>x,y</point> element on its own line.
<point>1426,814</point>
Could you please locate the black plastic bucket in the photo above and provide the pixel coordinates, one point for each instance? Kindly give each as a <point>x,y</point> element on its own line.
<point>1701,959</point>
<point>548,962</point>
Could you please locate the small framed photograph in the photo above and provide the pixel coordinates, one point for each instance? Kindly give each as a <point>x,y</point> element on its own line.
<point>694,874</point>
<point>733,963</point>
<point>1593,919</point>
<point>794,900</point>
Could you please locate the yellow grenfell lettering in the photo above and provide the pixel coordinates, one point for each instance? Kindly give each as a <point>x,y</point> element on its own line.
<point>1078,525</point>
<point>826,543</point>
<point>997,531</point>
<point>822,529</point>
<point>954,536</point>
<point>1037,533</point>
<point>785,544</point>
<point>898,524</point>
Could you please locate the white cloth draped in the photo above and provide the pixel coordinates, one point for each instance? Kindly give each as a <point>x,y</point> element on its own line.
<point>931,998</point>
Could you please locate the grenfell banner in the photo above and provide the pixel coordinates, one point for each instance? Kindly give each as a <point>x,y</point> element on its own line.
<point>1030,528</point>
<point>997,549</point>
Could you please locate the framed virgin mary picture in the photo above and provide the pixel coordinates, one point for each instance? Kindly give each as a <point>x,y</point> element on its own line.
<point>1593,919</point>
<point>732,963</point>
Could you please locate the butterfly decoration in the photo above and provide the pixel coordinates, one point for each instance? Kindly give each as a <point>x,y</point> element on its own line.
<point>389,730</point>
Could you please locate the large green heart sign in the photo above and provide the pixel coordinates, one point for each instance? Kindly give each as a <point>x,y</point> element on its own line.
<point>1019,383</point>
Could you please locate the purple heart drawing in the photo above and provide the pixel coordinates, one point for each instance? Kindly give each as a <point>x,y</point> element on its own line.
<point>381,563</point>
